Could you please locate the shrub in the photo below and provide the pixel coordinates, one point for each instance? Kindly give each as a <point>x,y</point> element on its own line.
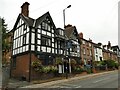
<point>36,64</point>
<point>47,69</point>
<point>59,60</point>
<point>110,63</point>
<point>89,71</point>
<point>78,69</point>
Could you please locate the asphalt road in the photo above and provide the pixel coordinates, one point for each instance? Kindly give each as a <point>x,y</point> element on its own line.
<point>108,80</point>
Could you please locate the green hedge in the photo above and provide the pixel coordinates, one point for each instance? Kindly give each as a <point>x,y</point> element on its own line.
<point>110,64</point>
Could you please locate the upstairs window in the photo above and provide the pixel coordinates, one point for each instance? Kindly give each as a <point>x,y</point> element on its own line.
<point>46,41</point>
<point>24,39</point>
<point>43,25</point>
<point>62,44</point>
<point>90,52</point>
<point>84,51</point>
<point>83,42</point>
<point>96,51</point>
<point>74,48</point>
<point>46,26</point>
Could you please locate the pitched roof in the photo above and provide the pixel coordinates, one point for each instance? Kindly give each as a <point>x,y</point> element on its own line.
<point>41,18</point>
<point>69,32</point>
<point>29,21</point>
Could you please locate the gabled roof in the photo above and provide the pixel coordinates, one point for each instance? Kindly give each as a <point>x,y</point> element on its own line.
<point>58,30</point>
<point>41,18</point>
<point>97,46</point>
<point>69,32</point>
<point>29,21</point>
<point>115,47</point>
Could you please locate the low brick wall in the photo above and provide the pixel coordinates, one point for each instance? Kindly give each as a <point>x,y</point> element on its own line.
<point>41,76</point>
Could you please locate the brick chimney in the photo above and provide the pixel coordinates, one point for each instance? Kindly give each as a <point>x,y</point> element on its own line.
<point>25,9</point>
<point>90,40</point>
<point>81,35</point>
<point>109,45</point>
<point>68,26</point>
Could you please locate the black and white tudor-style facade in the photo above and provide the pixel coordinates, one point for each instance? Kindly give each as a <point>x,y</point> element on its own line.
<point>40,39</point>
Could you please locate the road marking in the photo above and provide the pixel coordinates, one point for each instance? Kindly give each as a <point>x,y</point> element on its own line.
<point>101,80</point>
<point>78,87</point>
<point>71,85</point>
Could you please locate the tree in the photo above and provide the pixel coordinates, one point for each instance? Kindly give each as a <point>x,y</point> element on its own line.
<point>5,44</point>
<point>4,35</point>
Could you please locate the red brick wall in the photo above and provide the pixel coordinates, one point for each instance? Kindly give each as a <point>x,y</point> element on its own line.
<point>88,48</point>
<point>22,67</point>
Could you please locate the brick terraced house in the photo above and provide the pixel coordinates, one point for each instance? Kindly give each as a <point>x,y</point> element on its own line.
<point>87,50</point>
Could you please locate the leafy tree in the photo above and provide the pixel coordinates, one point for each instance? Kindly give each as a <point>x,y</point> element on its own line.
<point>4,35</point>
<point>5,44</point>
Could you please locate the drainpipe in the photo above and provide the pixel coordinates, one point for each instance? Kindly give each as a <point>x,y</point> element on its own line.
<point>30,54</point>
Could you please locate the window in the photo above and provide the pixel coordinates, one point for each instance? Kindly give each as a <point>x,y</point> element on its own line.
<point>74,49</point>
<point>33,38</point>
<point>85,62</point>
<point>43,41</point>
<point>46,41</point>
<point>96,50</point>
<point>96,57</point>
<point>48,27</point>
<point>100,58</point>
<point>90,44</point>
<point>61,32</point>
<point>24,39</point>
<point>25,29</point>
<point>84,51</point>
<point>43,25</point>
<point>83,42</point>
<point>62,45</point>
<point>90,52</point>
<point>14,62</point>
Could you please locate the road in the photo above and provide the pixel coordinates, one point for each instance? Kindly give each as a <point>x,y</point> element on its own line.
<point>108,80</point>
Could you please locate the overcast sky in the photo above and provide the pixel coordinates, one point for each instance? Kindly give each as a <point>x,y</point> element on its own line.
<point>97,19</point>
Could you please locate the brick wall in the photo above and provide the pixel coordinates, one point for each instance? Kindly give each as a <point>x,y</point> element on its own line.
<point>22,67</point>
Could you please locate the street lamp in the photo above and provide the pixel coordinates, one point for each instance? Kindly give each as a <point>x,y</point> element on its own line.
<point>65,40</point>
<point>64,14</point>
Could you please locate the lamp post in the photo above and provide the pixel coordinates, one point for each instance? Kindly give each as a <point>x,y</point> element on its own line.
<point>64,14</point>
<point>65,40</point>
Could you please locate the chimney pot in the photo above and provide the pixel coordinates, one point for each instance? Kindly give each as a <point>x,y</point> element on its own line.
<point>81,35</point>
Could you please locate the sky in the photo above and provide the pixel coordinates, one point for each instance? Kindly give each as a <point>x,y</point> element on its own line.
<point>96,19</point>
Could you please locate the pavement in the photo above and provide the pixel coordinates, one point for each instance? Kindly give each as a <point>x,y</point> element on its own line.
<point>64,80</point>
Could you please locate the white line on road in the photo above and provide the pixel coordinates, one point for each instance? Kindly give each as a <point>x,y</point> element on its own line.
<point>78,87</point>
<point>101,80</point>
<point>75,86</point>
